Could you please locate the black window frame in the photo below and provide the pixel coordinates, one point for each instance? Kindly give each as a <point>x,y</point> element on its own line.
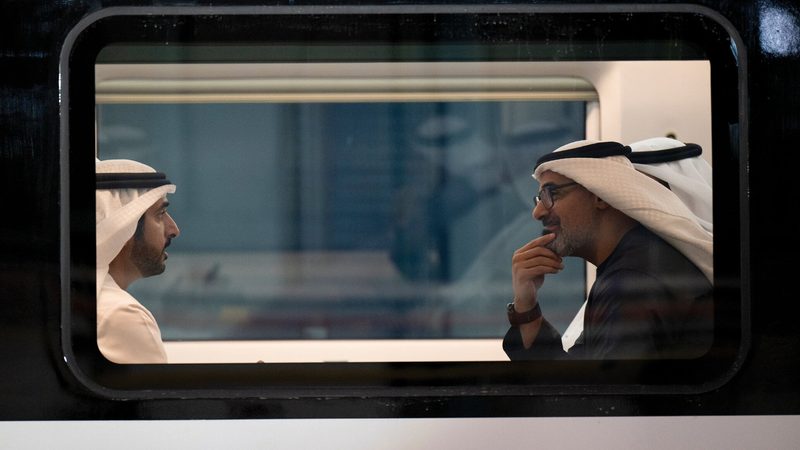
<point>432,32</point>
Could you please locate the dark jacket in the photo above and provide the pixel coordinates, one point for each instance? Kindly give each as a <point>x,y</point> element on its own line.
<point>648,301</point>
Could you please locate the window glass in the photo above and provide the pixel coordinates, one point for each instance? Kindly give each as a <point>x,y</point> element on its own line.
<point>344,220</point>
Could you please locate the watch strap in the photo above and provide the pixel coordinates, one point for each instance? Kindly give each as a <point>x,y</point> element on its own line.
<point>518,318</point>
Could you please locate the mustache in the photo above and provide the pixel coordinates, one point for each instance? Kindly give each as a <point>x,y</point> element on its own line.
<point>546,223</point>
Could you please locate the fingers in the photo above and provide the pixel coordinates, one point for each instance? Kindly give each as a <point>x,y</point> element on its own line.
<point>529,265</point>
<point>532,262</point>
<point>535,253</point>
<point>539,241</point>
<point>534,271</point>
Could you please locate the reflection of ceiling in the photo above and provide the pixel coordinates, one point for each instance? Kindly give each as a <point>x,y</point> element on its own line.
<point>352,82</point>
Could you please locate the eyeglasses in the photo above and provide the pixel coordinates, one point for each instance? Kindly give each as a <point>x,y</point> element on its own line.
<point>545,195</point>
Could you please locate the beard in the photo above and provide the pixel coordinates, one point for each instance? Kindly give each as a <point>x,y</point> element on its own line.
<point>149,260</point>
<point>569,241</point>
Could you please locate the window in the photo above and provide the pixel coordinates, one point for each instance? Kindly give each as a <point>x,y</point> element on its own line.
<point>353,177</point>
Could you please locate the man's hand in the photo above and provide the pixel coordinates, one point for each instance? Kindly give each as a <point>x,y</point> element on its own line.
<point>529,265</point>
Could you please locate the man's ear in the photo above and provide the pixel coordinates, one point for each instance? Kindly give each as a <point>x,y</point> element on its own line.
<point>600,204</point>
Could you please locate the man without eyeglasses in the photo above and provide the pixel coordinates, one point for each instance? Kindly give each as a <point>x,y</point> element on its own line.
<point>653,295</point>
<point>134,230</point>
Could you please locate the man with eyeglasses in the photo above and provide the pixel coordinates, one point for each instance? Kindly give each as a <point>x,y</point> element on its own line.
<point>652,297</point>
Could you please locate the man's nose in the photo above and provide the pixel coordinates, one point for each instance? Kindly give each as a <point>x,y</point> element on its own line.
<point>172,228</point>
<point>539,211</point>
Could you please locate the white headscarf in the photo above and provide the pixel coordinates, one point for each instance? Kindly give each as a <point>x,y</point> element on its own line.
<point>117,211</point>
<point>640,197</point>
<point>688,177</point>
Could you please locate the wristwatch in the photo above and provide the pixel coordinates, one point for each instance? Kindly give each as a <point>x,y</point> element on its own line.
<point>518,318</point>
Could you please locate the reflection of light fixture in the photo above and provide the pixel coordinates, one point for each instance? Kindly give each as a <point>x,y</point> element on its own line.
<point>778,31</point>
<point>229,83</point>
<point>121,133</point>
<point>442,127</point>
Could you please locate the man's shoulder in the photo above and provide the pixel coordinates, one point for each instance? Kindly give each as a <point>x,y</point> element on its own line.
<point>114,300</point>
<point>645,251</point>
<point>648,261</point>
